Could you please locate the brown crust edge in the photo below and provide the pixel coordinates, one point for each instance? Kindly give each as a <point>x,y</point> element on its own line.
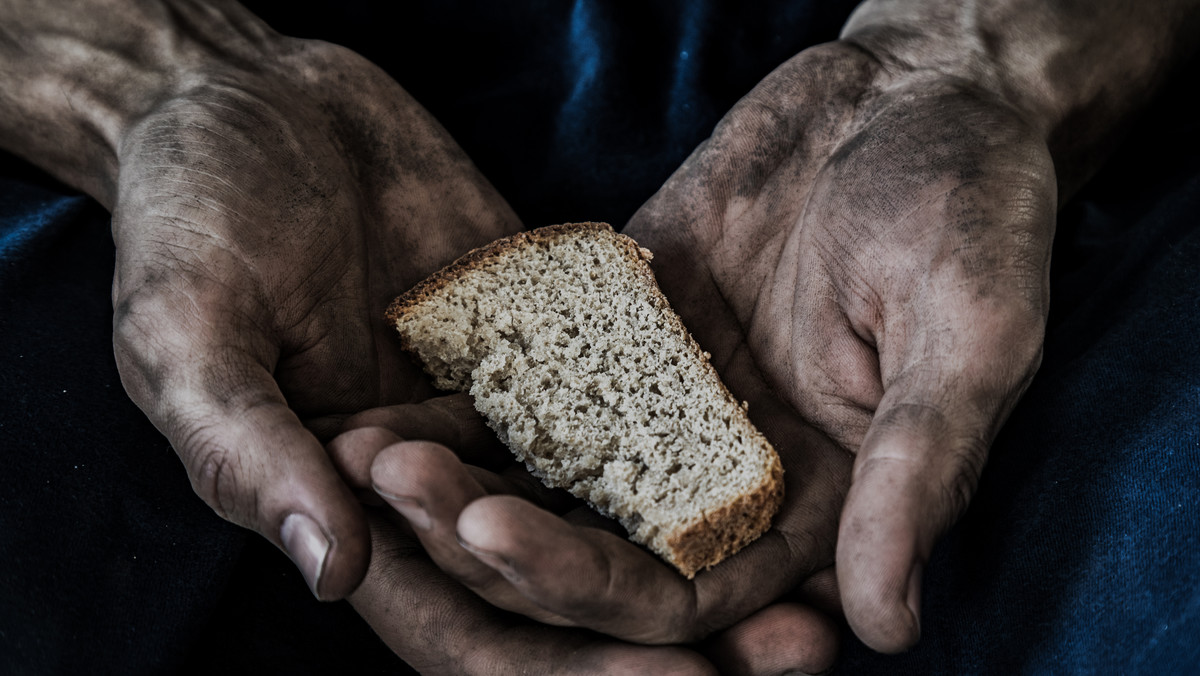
<point>476,258</point>
<point>705,542</point>
<point>724,532</point>
<point>721,533</point>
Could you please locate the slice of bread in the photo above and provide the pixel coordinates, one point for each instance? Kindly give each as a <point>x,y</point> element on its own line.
<point>582,368</point>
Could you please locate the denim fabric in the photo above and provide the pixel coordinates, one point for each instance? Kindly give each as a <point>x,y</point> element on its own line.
<point>1080,553</point>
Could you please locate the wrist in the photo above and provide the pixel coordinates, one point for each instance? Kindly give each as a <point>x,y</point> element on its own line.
<point>70,90</point>
<point>1077,74</point>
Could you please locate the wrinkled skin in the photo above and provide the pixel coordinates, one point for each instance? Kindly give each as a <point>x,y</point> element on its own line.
<point>440,626</point>
<point>263,219</point>
<point>862,245</point>
<point>873,247</point>
<point>865,253</point>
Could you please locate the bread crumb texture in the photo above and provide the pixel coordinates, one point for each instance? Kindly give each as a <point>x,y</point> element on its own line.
<point>579,364</point>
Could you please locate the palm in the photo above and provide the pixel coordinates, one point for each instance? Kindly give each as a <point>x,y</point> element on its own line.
<point>263,221</point>
<point>863,254</point>
<point>295,220</point>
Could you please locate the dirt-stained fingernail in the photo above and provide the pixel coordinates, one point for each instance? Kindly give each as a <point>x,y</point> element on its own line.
<point>494,561</point>
<point>307,546</point>
<point>410,508</point>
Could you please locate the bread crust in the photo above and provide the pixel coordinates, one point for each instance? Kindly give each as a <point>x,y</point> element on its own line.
<point>718,534</point>
<point>721,533</point>
<point>480,256</point>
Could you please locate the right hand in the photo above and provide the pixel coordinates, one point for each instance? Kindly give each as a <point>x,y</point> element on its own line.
<point>265,211</point>
<point>440,627</point>
<point>444,627</point>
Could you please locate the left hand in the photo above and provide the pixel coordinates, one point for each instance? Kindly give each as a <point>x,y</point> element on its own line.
<point>873,246</point>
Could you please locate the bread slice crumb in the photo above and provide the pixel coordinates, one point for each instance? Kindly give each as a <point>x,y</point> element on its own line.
<point>582,368</point>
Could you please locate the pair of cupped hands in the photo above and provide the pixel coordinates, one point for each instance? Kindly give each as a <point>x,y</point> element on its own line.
<point>862,249</point>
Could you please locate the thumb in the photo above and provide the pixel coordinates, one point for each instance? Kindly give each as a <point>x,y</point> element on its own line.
<point>246,452</point>
<point>916,472</point>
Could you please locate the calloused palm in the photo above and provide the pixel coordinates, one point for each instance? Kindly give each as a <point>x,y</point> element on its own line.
<point>263,219</point>
<point>872,248</point>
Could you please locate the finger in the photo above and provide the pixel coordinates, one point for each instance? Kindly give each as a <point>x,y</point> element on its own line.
<point>920,463</point>
<point>246,453</point>
<point>451,421</point>
<point>589,577</point>
<point>428,485</point>
<point>356,451</point>
<point>782,638</point>
<point>821,592</point>
<point>352,454</point>
<point>515,479</point>
<point>603,582</point>
<point>445,629</point>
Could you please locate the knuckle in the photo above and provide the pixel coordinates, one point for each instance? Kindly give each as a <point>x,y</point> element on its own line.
<point>594,599</point>
<point>957,456</point>
<point>961,479</point>
<point>155,327</point>
<point>232,381</point>
<point>684,623</point>
<point>1031,367</point>
<point>1028,353</point>
<point>914,417</point>
<point>214,471</point>
<point>137,339</point>
<point>804,543</point>
<point>758,117</point>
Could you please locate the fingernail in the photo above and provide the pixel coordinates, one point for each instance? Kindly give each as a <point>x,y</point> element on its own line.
<point>409,508</point>
<point>495,561</point>
<point>308,547</point>
<point>914,594</point>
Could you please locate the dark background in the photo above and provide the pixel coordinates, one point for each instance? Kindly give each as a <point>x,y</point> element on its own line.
<point>1081,551</point>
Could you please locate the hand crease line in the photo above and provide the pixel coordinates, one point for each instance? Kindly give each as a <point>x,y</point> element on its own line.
<point>301,286</point>
<point>220,179</point>
<point>187,226</point>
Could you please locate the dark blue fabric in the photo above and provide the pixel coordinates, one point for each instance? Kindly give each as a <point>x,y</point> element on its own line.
<point>576,111</point>
<point>1079,554</point>
<point>110,563</point>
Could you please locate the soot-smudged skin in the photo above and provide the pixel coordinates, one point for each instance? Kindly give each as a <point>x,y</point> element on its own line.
<point>270,195</point>
<point>832,232</point>
<point>864,245</point>
<point>808,314</point>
